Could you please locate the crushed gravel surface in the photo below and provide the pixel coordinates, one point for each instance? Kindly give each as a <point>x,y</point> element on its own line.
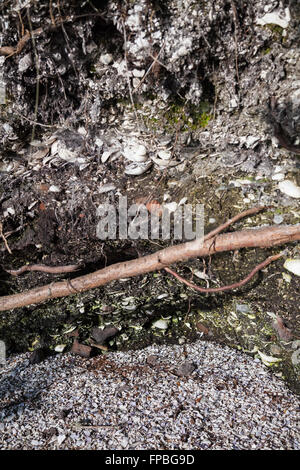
<point>189,397</point>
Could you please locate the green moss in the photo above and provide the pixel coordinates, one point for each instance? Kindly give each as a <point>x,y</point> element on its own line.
<point>266,51</point>
<point>191,117</point>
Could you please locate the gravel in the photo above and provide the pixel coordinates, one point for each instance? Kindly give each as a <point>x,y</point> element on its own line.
<point>189,397</point>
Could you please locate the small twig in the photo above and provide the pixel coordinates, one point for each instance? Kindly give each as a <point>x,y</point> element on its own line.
<point>36,122</point>
<point>4,239</point>
<point>127,73</point>
<point>37,68</point>
<point>231,286</point>
<point>51,13</point>
<point>212,235</point>
<point>235,41</point>
<point>11,50</point>
<point>246,213</point>
<point>155,60</point>
<point>21,23</point>
<point>45,269</point>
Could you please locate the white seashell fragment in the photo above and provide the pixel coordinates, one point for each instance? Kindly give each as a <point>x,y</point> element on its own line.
<point>138,73</point>
<point>275,18</point>
<point>24,63</point>
<point>250,141</point>
<point>136,169</point>
<point>60,439</point>
<point>106,188</point>
<point>54,147</point>
<point>278,177</point>
<point>59,347</point>
<point>6,167</point>
<point>161,324</point>
<point>160,162</point>
<point>66,154</point>
<point>8,128</point>
<point>289,188</point>
<point>9,211</point>
<point>54,189</point>
<point>268,360</point>
<point>135,153</point>
<point>105,155</point>
<point>293,265</point>
<point>278,219</point>
<point>164,154</point>
<point>99,142</point>
<point>82,131</point>
<point>106,59</point>
<point>286,277</point>
<point>296,357</point>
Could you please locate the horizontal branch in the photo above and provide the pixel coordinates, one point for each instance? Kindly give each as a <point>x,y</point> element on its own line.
<point>259,237</point>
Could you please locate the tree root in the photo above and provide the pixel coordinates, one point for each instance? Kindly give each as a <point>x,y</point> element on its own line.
<point>212,243</point>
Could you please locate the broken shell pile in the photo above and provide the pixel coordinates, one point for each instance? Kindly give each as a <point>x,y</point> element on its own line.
<point>194,396</point>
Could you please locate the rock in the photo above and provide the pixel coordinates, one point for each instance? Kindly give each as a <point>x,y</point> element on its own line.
<point>152,360</point>
<point>185,369</point>
<point>100,336</point>
<point>39,355</point>
<point>81,349</point>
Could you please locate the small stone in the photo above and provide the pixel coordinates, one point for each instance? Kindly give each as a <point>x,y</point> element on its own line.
<point>243,308</point>
<point>185,369</point>
<point>54,189</point>
<point>278,177</point>
<point>38,355</point>
<point>106,188</point>
<point>81,349</point>
<point>100,336</point>
<point>152,360</point>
